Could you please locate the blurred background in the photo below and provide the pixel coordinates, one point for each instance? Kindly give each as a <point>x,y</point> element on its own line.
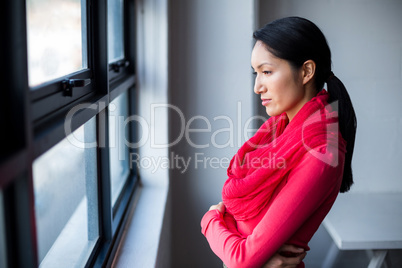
<point>209,74</point>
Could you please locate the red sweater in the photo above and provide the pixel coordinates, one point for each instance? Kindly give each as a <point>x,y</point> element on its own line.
<point>293,215</point>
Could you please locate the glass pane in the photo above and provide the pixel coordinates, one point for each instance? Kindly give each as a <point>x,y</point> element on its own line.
<point>66,207</point>
<point>119,154</point>
<point>56,38</point>
<point>3,255</point>
<point>115,30</point>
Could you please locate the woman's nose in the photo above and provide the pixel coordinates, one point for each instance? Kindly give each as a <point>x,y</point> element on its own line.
<point>259,87</point>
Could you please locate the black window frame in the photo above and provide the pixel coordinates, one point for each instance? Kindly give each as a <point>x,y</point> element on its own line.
<point>35,123</point>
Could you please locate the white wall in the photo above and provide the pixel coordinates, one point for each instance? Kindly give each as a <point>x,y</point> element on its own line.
<point>365,38</point>
<point>209,76</point>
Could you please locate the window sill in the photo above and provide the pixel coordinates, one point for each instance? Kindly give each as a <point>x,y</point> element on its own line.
<point>140,241</point>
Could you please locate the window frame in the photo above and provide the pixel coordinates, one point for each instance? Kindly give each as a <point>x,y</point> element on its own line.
<point>35,117</point>
<point>126,65</point>
<point>49,96</point>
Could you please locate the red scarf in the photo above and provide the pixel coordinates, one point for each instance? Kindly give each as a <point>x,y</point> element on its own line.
<point>265,159</point>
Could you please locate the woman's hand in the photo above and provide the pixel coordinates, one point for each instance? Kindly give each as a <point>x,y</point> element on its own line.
<point>220,207</point>
<point>287,256</point>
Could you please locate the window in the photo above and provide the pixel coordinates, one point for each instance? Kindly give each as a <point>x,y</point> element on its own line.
<point>116,30</point>
<point>56,38</point>
<point>118,52</point>
<point>66,206</point>
<point>118,136</point>
<point>60,69</point>
<point>65,182</point>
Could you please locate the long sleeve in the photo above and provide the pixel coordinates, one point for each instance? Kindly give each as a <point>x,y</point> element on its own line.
<point>311,184</point>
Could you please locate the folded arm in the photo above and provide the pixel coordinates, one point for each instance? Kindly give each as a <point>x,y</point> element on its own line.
<point>308,186</point>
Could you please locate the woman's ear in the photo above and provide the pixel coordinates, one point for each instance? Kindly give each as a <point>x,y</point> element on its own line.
<point>308,71</point>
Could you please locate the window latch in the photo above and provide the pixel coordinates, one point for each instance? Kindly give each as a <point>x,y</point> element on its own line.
<point>117,65</point>
<point>69,84</point>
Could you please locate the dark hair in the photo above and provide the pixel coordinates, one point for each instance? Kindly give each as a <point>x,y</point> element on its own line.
<point>297,40</point>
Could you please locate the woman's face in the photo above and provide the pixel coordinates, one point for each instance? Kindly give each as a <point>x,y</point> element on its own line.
<point>280,86</point>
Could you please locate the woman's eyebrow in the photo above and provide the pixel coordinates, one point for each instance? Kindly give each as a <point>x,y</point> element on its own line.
<point>262,64</point>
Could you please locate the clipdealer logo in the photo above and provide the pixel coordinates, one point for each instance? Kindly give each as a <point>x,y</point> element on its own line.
<point>224,125</point>
<point>219,132</point>
<point>331,150</point>
<point>227,133</point>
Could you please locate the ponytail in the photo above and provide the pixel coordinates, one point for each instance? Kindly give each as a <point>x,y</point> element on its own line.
<point>296,40</point>
<point>347,125</point>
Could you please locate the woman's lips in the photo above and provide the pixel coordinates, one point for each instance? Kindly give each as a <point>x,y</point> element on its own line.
<point>265,101</point>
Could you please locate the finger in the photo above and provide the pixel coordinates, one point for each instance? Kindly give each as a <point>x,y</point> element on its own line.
<point>291,248</point>
<point>213,207</point>
<point>221,207</point>
<point>278,261</point>
<point>289,261</point>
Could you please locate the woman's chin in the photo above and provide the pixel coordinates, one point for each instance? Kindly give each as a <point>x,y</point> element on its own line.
<point>271,112</point>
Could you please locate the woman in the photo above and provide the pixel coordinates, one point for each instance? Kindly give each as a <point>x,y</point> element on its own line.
<point>283,181</point>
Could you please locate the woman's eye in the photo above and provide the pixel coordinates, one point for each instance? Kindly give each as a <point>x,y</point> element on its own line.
<point>264,72</point>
